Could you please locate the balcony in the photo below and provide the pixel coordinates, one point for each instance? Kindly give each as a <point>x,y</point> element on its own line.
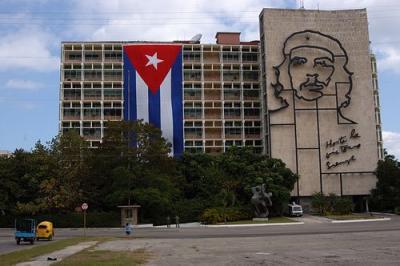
<point>192,94</point>
<point>250,76</point>
<point>251,95</point>
<point>211,57</point>
<point>91,94</point>
<point>192,113</point>
<point>232,95</point>
<point>73,56</point>
<point>192,75</point>
<point>72,97</point>
<point>212,113</point>
<point>252,136</point>
<point>213,150</point>
<point>71,117</point>
<point>212,75</point>
<point>112,75</point>
<point>112,56</point>
<point>93,56</point>
<point>210,95</point>
<point>93,75</point>
<point>252,113</point>
<point>233,76</point>
<point>112,114</point>
<point>213,133</point>
<point>72,75</point>
<point>191,57</point>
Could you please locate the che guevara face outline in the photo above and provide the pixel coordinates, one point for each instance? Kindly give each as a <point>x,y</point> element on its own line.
<point>310,70</point>
<point>314,65</point>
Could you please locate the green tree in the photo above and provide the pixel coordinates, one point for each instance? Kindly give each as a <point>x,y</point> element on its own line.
<point>136,168</point>
<point>386,195</point>
<point>211,178</point>
<point>62,188</point>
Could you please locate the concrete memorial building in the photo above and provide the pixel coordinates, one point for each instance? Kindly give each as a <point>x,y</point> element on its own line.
<point>306,93</point>
<point>321,105</point>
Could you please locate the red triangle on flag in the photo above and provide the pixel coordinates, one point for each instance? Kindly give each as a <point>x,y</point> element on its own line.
<point>152,61</point>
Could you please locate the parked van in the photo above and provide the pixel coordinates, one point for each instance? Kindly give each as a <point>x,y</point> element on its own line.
<point>295,209</point>
<point>45,230</point>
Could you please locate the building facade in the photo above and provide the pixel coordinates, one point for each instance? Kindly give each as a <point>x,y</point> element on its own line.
<point>222,98</point>
<point>307,93</point>
<point>322,115</point>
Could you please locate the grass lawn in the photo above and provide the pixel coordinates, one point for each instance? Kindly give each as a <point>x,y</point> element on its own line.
<point>354,216</point>
<point>270,221</point>
<point>27,254</point>
<point>90,257</point>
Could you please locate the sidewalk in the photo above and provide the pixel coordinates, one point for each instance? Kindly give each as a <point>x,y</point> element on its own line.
<point>59,255</point>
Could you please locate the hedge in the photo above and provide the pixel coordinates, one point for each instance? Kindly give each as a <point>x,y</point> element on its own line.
<point>71,220</point>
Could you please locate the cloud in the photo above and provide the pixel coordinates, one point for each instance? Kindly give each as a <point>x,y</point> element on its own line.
<point>155,20</point>
<point>27,48</point>
<point>384,22</point>
<point>390,59</point>
<point>20,84</point>
<point>391,142</point>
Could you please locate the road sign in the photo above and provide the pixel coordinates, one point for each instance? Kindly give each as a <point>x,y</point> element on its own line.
<point>85,206</point>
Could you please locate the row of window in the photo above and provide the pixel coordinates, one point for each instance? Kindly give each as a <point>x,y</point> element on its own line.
<point>217,48</point>
<point>94,85</point>
<point>93,112</point>
<point>226,57</point>
<point>230,76</point>
<point>92,94</point>
<point>93,75</point>
<point>196,94</point>
<point>229,113</point>
<point>92,66</point>
<point>93,55</point>
<point>226,85</point>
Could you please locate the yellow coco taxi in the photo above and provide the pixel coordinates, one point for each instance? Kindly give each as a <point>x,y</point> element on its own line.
<point>45,230</point>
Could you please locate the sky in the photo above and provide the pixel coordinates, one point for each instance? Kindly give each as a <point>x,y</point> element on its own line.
<point>31,32</point>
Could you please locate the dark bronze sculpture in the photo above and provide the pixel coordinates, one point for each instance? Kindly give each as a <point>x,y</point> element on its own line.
<point>261,200</point>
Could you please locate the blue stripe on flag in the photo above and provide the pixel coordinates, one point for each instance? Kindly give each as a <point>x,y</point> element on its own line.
<point>154,108</point>
<point>130,112</point>
<point>177,108</point>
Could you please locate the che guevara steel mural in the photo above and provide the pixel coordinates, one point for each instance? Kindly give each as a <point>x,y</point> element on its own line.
<point>314,65</point>
<point>313,68</point>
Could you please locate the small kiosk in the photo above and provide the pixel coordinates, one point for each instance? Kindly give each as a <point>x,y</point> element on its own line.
<point>129,214</point>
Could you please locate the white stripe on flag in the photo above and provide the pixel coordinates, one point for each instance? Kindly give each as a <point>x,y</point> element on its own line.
<point>142,99</point>
<point>167,122</point>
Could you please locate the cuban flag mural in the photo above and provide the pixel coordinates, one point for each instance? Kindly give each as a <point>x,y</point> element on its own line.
<point>153,89</point>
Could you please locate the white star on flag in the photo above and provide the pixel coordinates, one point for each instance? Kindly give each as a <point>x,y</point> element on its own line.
<point>153,60</point>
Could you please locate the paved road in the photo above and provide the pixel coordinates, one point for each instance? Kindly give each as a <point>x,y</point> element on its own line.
<point>8,244</point>
<point>312,226</point>
<point>367,248</point>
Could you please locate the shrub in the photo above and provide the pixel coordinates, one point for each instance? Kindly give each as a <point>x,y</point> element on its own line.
<point>320,203</point>
<point>188,210</point>
<point>331,204</point>
<point>235,213</point>
<point>211,216</point>
<point>342,206</point>
<point>397,210</point>
<point>71,220</point>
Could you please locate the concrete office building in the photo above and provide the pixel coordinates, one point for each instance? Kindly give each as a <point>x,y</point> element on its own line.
<point>307,93</point>
<point>322,104</point>
<point>222,99</point>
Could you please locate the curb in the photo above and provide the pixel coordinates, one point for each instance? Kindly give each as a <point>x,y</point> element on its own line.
<point>250,225</point>
<point>361,220</point>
